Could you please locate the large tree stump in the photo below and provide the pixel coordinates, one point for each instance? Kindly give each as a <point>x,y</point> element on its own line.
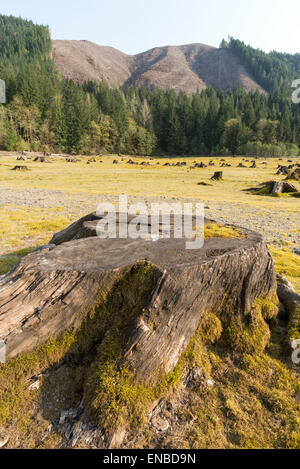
<point>55,288</point>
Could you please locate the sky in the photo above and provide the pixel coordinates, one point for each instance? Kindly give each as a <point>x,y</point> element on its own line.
<point>134,26</point>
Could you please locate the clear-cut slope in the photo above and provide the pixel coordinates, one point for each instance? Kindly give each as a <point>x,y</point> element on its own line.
<point>186,68</point>
<point>84,60</point>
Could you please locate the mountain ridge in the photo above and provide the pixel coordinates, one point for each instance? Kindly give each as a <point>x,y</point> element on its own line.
<point>189,68</point>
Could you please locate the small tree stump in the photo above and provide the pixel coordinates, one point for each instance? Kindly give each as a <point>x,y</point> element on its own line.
<point>294,175</point>
<point>41,159</point>
<point>283,170</point>
<point>72,160</point>
<point>20,168</point>
<point>218,176</point>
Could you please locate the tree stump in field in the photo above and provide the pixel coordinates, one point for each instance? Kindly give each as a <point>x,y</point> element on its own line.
<point>41,159</point>
<point>55,288</point>
<point>294,175</point>
<point>283,170</point>
<point>133,304</point>
<point>218,176</point>
<point>20,168</point>
<point>273,188</point>
<point>72,160</point>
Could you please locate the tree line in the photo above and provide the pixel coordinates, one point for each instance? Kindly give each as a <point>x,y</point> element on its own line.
<point>48,113</point>
<point>274,71</point>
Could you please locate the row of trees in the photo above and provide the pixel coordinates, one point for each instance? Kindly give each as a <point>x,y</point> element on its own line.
<point>46,112</point>
<point>274,71</point>
<point>73,123</point>
<point>94,118</point>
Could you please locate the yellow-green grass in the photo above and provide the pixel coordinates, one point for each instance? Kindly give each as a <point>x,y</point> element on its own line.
<point>287,264</point>
<point>147,181</point>
<point>23,227</point>
<point>215,230</point>
<point>20,226</point>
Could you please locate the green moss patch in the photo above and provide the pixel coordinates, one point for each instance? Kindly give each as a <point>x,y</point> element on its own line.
<point>251,333</point>
<point>111,393</point>
<point>251,401</point>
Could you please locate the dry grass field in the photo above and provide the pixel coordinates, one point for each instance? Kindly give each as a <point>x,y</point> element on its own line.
<point>44,199</point>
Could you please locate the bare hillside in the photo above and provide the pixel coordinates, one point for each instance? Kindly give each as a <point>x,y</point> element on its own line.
<point>188,68</point>
<point>84,60</point>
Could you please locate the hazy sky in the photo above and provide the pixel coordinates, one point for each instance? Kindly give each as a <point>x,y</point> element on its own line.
<point>137,25</point>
